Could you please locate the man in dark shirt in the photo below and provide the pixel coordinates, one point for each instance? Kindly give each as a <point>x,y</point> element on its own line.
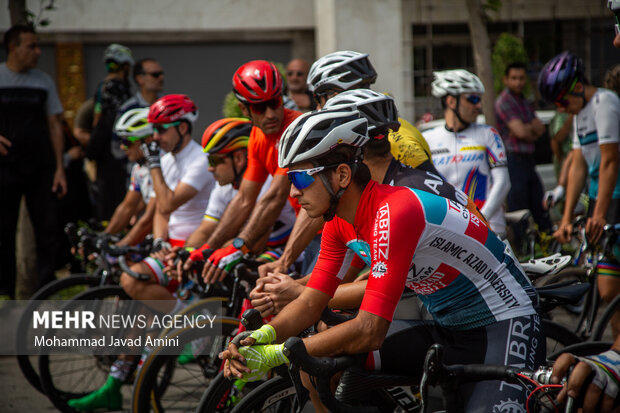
<point>31,148</point>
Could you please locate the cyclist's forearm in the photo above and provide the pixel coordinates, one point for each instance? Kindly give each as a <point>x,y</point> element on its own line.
<point>264,215</point>
<point>304,231</point>
<point>348,295</point>
<point>143,227</point>
<point>498,193</point>
<point>199,237</point>
<point>576,181</point>
<point>232,220</point>
<point>120,219</point>
<point>608,174</point>
<point>299,314</point>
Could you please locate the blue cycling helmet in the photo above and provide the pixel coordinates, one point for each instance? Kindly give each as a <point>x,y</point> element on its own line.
<point>558,75</point>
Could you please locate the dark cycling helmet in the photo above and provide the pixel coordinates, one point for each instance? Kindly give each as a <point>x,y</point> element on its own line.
<point>379,109</point>
<point>341,70</point>
<point>226,135</point>
<point>117,53</point>
<point>172,108</point>
<point>315,134</point>
<point>257,81</point>
<point>558,75</point>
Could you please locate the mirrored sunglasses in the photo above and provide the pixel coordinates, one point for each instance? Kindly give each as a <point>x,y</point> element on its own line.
<point>302,178</point>
<point>473,99</point>
<point>163,127</point>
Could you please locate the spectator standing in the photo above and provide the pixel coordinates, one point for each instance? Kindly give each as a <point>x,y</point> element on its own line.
<point>296,80</point>
<point>520,129</point>
<point>104,146</point>
<point>31,150</point>
<point>149,76</point>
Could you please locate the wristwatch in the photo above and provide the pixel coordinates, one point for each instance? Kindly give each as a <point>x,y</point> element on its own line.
<point>239,243</point>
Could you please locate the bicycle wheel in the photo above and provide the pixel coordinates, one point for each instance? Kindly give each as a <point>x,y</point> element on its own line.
<point>69,376</point>
<point>558,336</point>
<point>165,385</point>
<point>63,289</point>
<point>275,395</point>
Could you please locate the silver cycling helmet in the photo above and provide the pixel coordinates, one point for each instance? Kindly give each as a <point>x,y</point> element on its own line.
<point>118,53</point>
<point>315,134</point>
<point>455,82</point>
<point>379,109</point>
<point>343,70</point>
<point>134,125</point>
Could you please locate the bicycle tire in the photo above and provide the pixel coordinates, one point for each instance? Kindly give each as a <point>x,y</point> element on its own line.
<point>558,336</point>
<point>603,321</point>
<point>275,395</point>
<point>151,385</point>
<point>53,290</point>
<point>58,388</point>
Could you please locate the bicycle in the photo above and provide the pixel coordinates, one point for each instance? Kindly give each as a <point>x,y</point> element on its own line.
<point>106,273</point>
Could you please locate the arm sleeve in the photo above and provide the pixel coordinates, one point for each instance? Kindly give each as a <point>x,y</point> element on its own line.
<point>496,152</point>
<point>398,229</point>
<point>576,144</point>
<point>498,193</point>
<point>333,262</point>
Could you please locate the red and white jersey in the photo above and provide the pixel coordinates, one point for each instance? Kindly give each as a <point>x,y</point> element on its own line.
<point>432,245</point>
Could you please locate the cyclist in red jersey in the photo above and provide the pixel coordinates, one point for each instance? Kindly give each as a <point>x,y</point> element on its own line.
<point>477,294</point>
<point>258,86</point>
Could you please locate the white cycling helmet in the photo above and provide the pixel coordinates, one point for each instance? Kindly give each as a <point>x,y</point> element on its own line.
<point>613,5</point>
<point>344,70</point>
<point>379,109</point>
<point>315,134</point>
<point>455,82</point>
<point>134,124</point>
<point>118,53</point>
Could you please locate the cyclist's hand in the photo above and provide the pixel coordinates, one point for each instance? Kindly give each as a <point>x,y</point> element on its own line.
<point>553,197</point>
<point>220,263</point>
<point>151,154</point>
<point>264,335</point>
<point>170,256</point>
<point>5,144</point>
<point>603,384</point>
<point>563,233</point>
<point>594,228</point>
<point>235,362</point>
<point>280,289</point>
<point>195,257</point>
<point>275,266</point>
<point>262,358</point>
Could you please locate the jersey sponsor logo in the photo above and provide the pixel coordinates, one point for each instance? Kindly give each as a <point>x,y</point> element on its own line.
<point>508,406</point>
<point>381,244</point>
<point>440,151</point>
<point>523,344</point>
<point>473,148</point>
<point>379,269</point>
<point>361,248</point>
<point>470,157</point>
<point>432,182</point>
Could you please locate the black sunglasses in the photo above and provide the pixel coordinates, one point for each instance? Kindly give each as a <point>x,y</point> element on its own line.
<point>154,74</point>
<point>262,106</point>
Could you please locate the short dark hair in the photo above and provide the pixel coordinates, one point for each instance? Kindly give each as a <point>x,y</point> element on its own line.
<point>378,147</point>
<point>515,65</point>
<point>347,154</point>
<point>12,36</point>
<point>138,67</point>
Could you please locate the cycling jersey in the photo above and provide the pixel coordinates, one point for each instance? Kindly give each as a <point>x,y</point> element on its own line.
<point>409,147</point>
<point>141,182</point>
<point>190,167</point>
<point>598,123</point>
<point>466,158</point>
<point>223,194</point>
<point>263,153</point>
<point>432,245</point>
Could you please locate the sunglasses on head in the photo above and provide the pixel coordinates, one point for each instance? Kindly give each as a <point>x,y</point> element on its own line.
<point>154,74</point>
<point>473,99</point>
<point>163,127</point>
<point>561,101</point>
<point>215,160</point>
<point>261,107</point>
<point>291,73</point>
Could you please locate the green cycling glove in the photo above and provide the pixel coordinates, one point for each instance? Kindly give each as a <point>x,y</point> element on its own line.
<point>262,358</point>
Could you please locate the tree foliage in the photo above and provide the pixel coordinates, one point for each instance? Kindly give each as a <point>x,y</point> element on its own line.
<point>20,14</point>
<point>508,49</point>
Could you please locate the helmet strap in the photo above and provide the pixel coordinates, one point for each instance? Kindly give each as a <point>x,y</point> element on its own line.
<point>456,112</point>
<point>177,147</point>
<point>237,174</point>
<point>334,197</point>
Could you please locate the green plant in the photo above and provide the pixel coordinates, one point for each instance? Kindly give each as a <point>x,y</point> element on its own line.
<point>508,49</point>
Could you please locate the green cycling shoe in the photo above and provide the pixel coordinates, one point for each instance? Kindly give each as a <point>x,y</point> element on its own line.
<point>107,397</point>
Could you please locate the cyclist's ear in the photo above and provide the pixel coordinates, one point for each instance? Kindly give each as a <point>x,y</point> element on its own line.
<point>244,110</point>
<point>344,175</point>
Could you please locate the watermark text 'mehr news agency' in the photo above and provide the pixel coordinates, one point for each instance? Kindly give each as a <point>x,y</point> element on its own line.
<point>86,319</point>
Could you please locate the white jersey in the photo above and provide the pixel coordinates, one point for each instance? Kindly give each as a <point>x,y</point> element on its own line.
<point>223,194</point>
<point>141,182</point>
<point>466,158</point>
<point>190,167</point>
<point>598,123</point>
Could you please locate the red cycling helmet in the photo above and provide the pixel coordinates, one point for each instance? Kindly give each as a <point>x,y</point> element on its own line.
<point>172,108</point>
<point>257,81</point>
